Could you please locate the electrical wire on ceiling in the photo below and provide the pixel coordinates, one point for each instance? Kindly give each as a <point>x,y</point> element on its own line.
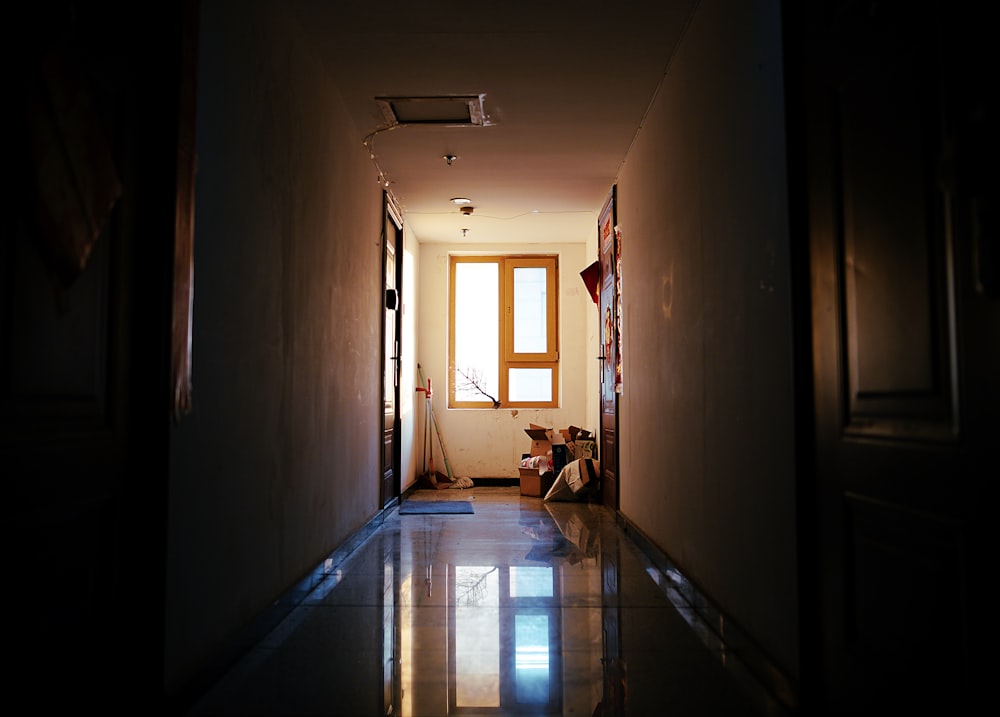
<point>369,144</point>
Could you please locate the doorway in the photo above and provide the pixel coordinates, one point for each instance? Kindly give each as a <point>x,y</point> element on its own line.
<point>392,240</point>
<point>607,246</point>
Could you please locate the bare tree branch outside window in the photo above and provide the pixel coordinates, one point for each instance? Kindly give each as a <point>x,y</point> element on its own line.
<point>473,381</point>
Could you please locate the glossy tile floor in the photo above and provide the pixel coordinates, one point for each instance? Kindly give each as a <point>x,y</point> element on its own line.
<point>522,607</point>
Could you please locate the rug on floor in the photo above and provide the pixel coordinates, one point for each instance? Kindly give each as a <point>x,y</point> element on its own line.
<point>428,507</point>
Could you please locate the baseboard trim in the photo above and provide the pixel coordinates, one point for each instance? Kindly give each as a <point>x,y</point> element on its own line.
<point>247,638</point>
<point>774,692</point>
<point>476,483</point>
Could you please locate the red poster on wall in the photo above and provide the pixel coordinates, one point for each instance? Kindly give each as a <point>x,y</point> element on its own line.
<point>610,249</point>
<point>618,309</point>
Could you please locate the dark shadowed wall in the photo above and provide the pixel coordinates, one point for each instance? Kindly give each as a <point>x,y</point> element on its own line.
<point>278,462</point>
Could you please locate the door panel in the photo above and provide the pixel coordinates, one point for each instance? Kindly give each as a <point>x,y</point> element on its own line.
<point>899,329</point>
<point>608,307</point>
<point>391,328</point>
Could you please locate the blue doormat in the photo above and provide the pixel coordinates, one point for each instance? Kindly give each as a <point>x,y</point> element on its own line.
<point>430,507</point>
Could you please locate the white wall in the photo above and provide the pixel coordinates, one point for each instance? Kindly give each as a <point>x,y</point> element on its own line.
<point>488,443</point>
<point>706,416</point>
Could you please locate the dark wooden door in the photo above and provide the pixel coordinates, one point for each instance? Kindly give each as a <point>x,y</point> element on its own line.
<point>610,359</point>
<point>905,320</point>
<point>99,187</point>
<point>392,232</point>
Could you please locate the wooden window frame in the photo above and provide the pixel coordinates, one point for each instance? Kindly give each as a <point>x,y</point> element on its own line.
<point>507,358</point>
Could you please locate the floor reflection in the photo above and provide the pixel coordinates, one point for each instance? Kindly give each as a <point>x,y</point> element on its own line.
<point>522,608</point>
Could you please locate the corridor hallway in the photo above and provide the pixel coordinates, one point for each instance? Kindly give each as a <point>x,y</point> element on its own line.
<point>521,607</point>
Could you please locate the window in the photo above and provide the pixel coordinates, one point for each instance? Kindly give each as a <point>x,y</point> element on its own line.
<point>503,348</point>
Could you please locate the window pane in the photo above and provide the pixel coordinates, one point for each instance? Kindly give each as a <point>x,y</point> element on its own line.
<point>477,330</point>
<point>529,384</point>
<point>530,310</point>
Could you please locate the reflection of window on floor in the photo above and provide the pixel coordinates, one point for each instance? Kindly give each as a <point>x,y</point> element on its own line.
<point>530,582</point>
<point>477,637</point>
<point>531,658</point>
<point>505,639</point>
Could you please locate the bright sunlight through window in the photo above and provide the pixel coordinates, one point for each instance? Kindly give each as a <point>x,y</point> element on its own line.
<point>503,338</point>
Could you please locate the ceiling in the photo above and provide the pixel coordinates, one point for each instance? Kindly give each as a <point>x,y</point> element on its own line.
<point>563,87</point>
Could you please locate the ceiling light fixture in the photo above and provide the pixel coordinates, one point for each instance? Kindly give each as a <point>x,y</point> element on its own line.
<point>449,158</point>
<point>467,211</point>
<point>461,200</point>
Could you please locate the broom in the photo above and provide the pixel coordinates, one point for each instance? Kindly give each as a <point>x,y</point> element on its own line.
<point>428,476</point>
<point>437,478</point>
<point>437,429</point>
<point>434,477</point>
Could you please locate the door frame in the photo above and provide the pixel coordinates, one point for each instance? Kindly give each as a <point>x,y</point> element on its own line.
<point>609,322</point>
<point>391,361</point>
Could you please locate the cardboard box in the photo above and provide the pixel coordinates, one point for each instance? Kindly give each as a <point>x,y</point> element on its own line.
<point>535,484</point>
<point>541,440</point>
